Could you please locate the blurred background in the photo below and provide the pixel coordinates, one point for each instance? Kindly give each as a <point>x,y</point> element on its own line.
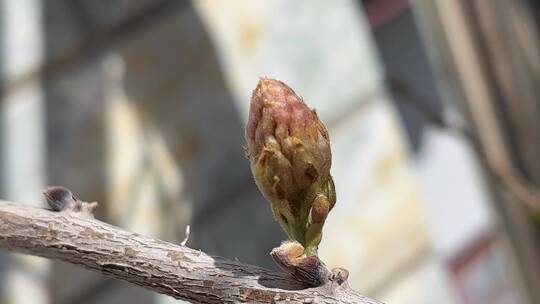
<point>433,109</point>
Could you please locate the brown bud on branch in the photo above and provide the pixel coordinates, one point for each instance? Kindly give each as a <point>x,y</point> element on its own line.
<point>307,269</point>
<point>61,199</point>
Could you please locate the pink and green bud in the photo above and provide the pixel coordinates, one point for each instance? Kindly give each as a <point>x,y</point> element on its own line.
<point>289,151</point>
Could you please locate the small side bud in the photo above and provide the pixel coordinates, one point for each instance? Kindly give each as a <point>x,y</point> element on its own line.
<point>306,269</point>
<point>339,276</point>
<point>61,199</point>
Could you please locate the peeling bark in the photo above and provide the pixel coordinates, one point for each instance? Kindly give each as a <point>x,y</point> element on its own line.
<point>174,270</point>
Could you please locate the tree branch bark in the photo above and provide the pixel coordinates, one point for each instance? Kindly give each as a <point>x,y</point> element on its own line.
<point>174,270</point>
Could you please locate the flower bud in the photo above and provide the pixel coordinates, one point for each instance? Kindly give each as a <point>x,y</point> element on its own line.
<point>289,151</point>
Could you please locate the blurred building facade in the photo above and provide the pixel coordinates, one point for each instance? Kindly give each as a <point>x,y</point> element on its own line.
<point>140,105</point>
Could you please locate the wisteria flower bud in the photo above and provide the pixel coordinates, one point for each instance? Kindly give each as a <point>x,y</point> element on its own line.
<point>289,151</point>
